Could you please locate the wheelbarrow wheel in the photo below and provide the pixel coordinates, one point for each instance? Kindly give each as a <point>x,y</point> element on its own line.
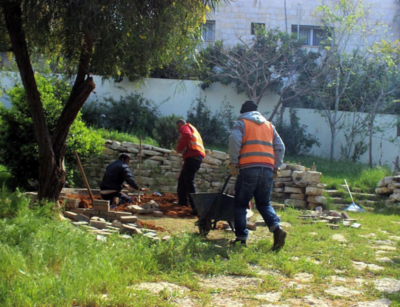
<point>204,226</point>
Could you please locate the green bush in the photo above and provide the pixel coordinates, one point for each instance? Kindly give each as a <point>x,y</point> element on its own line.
<point>294,135</point>
<point>214,128</point>
<point>19,150</point>
<point>165,131</point>
<point>122,137</point>
<point>130,114</point>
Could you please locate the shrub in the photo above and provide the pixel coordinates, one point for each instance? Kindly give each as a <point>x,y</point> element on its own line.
<point>165,132</point>
<point>214,128</point>
<point>294,135</point>
<point>130,114</point>
<point>19,151</point>
<point>123,137</point>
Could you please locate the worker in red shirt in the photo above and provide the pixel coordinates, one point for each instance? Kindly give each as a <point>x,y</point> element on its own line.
<point>191,147</point>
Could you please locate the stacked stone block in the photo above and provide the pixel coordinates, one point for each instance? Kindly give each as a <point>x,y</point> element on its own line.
<point>390,186</point>
<point>160,167</point>
<point>299,187</point>
<point>101,209</point>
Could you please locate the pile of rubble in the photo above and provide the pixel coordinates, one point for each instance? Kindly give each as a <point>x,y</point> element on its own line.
<point>331,218</point>
<point>390,186</point>
<point>102,221</point>
<point>299,187</point>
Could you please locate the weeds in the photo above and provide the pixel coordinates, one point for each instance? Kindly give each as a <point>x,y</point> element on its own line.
<point>45,262</point>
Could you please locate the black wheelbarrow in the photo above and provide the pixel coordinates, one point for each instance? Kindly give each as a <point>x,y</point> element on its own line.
<point>212,208</point>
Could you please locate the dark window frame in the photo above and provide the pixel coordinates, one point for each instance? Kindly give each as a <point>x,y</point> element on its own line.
<point>252,26</point>
<point>310,34</point>
<point>207,29</point>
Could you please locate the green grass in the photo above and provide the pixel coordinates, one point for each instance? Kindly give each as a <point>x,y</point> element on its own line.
<point>123,137</point>
<point>358,175</point>
<point>47,262</point>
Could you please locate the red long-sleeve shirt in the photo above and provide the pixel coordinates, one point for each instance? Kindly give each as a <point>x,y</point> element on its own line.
<point>186,136</point>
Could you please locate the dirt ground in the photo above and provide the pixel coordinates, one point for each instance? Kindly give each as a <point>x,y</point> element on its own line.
<point>166,202</point>
<point>176,218</point>
<point>171,211</point>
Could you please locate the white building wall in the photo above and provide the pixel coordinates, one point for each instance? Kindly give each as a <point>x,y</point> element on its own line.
<point>235,18</point>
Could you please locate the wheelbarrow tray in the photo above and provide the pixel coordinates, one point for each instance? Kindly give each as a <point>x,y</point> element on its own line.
<point>214,206</point>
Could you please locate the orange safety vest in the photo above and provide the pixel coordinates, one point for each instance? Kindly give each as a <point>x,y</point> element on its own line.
<point>196,143</point>
<point>257,144</point>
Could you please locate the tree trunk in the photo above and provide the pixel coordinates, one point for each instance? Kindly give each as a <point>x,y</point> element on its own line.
<point>371,132</point>
<point>51,150</point>
<point>333,140</point>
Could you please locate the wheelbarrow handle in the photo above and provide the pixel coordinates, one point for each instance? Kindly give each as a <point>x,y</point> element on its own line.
<point>226,183</point>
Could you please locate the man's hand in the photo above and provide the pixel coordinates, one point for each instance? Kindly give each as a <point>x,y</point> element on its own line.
<point>233,170</point>
<point>127,186</point>
<point>144,189</point>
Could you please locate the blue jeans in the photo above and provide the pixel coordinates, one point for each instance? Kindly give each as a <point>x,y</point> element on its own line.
<point>254,181</point>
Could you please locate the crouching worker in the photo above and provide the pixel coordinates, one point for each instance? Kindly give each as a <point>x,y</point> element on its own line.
<point>115,175</point>
<point>256,152</point>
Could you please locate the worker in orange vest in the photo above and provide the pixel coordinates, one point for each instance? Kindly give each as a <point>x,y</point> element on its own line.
<point>191,147</point>
<point>256,151</point>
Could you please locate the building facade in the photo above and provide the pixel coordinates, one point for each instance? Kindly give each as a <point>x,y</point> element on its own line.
<point>239,18</point>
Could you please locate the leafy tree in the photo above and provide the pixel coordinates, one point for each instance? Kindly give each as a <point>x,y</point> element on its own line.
<point>130,114</point>
<point>344,49</point>
<point>380,84</point>
<point>106,37</point>
<point>20,152</point>
<point>213,127</point>
<point>165,132</point>
<point>297,140</point>
<point>272,61</point>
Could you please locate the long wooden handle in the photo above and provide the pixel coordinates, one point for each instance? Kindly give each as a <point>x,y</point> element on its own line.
<point>348,189</point>
<point>83,176</point>
<point>140,165</point>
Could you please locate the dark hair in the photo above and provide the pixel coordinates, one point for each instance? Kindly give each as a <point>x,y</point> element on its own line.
<point>181,121</point>
<point>124,157</point>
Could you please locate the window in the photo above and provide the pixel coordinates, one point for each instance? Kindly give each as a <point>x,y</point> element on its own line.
<point>311,35</point>
<point>208,32</point>
<point>256,25</point>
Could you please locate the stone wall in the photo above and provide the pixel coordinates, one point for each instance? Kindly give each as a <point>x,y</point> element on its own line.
<point>160,167</point>
<point>295,185</point>
<point>299,187</point>
<point>390,186</point>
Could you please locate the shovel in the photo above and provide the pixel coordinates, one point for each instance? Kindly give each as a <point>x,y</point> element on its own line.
<point>353,206</point>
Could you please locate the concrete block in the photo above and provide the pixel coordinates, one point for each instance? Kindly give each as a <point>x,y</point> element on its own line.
<point>128,219</point>
<point>71,203</point>
<point>118,214</point>
<point>101,205</point>
<point>70,215</point>
<point>158,213</point>
<point>130,229</point>
<point>98,224</point>
<point>251,226</point>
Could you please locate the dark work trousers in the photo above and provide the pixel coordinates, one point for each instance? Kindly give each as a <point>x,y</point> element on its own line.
<point>123,198</point>
<point>186,183</point>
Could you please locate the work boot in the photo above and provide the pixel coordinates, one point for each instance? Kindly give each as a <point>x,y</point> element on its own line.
<point>279,239</point>
<point>236,241</point>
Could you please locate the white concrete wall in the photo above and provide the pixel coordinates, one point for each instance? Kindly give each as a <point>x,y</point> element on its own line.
<point>175,97</point>
<point>179,94</point>
<point>182,93</point>
<point>383,150</point>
